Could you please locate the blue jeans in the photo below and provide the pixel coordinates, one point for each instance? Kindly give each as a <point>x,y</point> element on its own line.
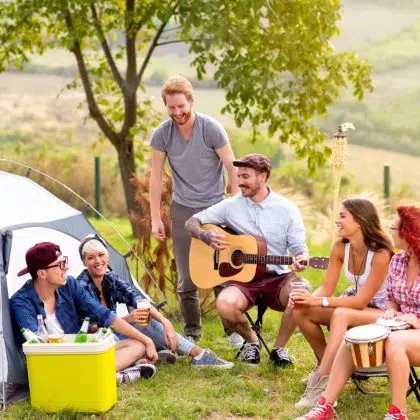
<point>156,332</point>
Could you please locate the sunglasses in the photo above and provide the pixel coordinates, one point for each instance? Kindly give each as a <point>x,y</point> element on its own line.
<point>62,264</point>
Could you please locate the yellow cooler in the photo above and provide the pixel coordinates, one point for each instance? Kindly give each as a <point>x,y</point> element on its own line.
<point>72,376</point>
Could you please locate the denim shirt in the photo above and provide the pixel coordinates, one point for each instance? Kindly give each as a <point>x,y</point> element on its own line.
<point>276,219</point>
<point>114,289</point>
<point>73,303</point>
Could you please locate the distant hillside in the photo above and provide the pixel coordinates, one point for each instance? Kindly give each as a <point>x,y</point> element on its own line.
<point>384,32</point>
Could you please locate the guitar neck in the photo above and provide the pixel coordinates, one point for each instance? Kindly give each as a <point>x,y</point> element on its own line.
<point>266,259</point>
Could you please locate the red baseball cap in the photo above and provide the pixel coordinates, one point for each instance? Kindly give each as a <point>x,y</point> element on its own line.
<point>40,256</point>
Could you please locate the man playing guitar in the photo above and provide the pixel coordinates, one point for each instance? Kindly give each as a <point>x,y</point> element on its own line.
<point>261,212</point>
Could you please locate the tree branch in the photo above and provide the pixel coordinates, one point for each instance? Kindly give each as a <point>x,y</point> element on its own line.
<point>130,98</point>
<point>94,110</point>
<point>106,49</point>
<point>174,28</point>
<point>150,51</point>
<point>159,44</point>
<point>153,45</point>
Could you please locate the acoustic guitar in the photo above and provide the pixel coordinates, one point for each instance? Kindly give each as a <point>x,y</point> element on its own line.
<point>244,259</point>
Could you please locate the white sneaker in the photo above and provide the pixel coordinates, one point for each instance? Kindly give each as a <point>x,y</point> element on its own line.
<point>313,393</point>
<point>310,377</point>
<point>235,340</point>
<point>120,378</point>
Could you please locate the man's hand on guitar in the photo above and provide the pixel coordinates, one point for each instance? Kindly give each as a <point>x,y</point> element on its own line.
<point>214,238</point>
<point>297,259</point>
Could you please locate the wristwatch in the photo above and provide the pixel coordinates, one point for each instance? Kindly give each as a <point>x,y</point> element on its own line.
<point>325,302</point>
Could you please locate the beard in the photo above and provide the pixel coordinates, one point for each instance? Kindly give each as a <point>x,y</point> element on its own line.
<point>183,119</point>
<point>250,191</point>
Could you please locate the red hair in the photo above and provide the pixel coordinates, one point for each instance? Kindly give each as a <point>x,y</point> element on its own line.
<point>410,227</point>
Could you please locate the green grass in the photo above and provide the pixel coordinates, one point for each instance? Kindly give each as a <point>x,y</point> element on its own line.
<point>180,392</point>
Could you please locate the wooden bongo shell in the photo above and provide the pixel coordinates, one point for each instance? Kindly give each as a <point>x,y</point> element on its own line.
<point>367,343</point>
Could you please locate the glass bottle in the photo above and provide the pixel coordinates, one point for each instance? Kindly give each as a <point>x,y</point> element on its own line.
<point>30,336</point>
<point>42,332</point>
<point>81,336</point>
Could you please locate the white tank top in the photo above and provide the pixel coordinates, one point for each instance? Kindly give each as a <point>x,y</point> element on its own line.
<point>361,280</point>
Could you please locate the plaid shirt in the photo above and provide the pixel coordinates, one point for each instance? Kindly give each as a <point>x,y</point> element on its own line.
<point>397,289</point>
<point>114,289</point>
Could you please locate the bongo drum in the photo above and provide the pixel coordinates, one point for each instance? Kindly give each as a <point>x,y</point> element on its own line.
<point>393,324</point>
<point>367,344</point>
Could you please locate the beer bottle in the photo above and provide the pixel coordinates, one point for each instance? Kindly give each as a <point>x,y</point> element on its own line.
<point>103,333</point>
<point>81,336</point>
<point>42,332</point>
<point>30,336</point>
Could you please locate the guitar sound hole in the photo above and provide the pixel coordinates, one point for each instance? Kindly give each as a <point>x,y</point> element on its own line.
<point>237,258</point>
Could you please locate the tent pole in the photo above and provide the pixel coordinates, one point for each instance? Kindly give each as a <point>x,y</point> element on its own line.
<point>117,232</point>
<point>3,382</point>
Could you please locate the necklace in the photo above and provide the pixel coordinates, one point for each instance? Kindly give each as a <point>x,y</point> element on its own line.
<point>357,273</point>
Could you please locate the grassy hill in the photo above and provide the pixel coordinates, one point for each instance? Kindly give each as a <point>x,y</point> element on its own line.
<point>386,32</point>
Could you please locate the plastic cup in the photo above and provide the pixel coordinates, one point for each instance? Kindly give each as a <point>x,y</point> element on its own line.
<point>55,338</point>
<point>298,285</point>
<point>144,304</point>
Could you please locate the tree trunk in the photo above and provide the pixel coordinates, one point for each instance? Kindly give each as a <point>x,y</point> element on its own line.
<point>126,162</point>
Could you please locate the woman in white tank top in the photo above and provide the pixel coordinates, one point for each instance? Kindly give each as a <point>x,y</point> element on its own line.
<point>364,250</point>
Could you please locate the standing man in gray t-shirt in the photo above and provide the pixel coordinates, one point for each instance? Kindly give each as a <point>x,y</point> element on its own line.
<point>197,148</point>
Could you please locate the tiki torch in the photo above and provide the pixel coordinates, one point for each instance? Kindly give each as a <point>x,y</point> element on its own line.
<point>338,158</point>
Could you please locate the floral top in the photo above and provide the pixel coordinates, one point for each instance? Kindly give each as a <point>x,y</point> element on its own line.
<point>397,289</point>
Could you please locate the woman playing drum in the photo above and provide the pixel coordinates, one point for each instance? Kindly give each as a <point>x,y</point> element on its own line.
<point>402,348</point>
<point>364,251</point>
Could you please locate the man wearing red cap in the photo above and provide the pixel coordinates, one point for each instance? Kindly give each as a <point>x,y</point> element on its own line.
<point>260,212</point>
<point>63,304</point>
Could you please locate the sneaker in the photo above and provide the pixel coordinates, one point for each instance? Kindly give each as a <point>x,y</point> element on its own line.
<point>321,411</point>
<point>120,378</point>
<point>207,359</point>
<point>394,413</point>
<point>166,357</point>
<point>250,353</point>
<point>311,377</point>
<point>235,340</point>
<point>281,357</point>
<point>312,393</point>
<point>141,371</point>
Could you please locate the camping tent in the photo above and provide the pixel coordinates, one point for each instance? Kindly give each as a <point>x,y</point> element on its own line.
<point>30,214</point>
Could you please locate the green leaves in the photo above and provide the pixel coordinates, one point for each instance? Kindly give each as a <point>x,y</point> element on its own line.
<point>276,65</point>
<point>273,58</point>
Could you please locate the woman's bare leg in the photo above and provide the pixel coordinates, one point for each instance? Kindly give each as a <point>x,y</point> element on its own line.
<point>309,321</point>
<point>341,371</point>
<point>402,348</point>
<point>341,320</point>
<point>127,352</point>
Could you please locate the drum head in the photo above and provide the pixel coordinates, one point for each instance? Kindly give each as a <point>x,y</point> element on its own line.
<point>367,333</point>
<point>393,324</point>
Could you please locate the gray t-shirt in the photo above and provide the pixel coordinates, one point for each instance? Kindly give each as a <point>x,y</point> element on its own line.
<point>198,177</point>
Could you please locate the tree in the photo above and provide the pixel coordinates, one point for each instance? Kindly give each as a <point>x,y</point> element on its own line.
<point>273,58</point>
